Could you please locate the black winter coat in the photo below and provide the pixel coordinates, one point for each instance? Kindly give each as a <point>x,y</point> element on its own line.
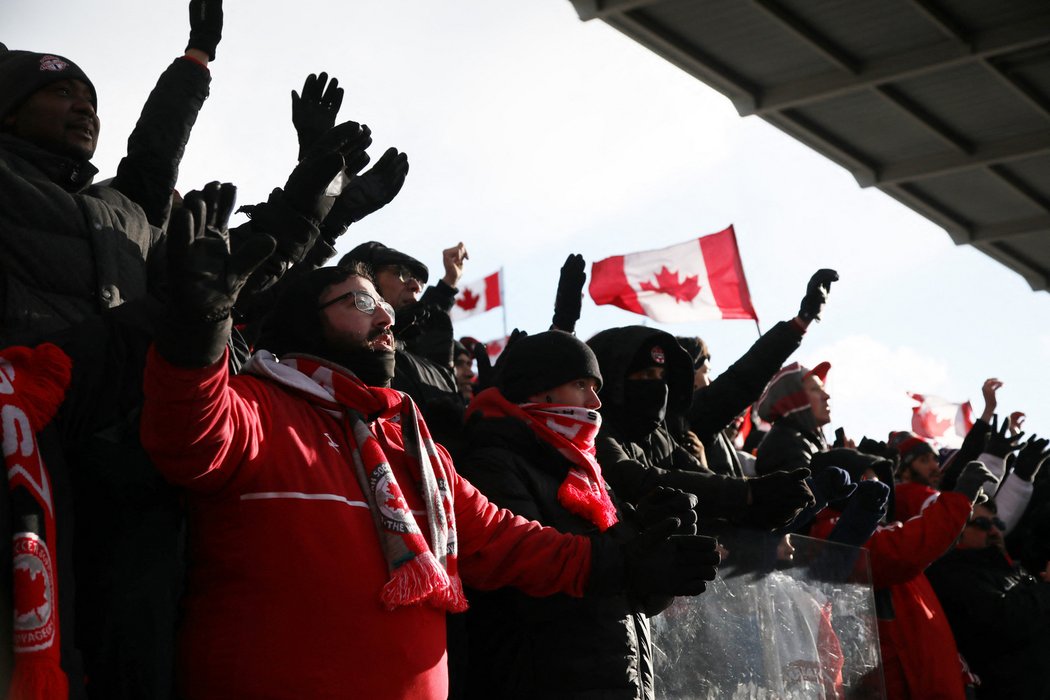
<point>787,446</point>
<point>635,464</point>
<point>554,647</point>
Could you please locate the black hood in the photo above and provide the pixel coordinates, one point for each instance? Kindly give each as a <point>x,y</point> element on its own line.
<point>615,348</point>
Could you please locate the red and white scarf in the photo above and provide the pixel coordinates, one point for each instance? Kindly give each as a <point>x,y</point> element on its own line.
<point>571,431</point>
<point>419,572</point>
<point>33,384</point>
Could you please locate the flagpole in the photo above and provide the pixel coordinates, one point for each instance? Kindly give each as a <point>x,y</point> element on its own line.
<point>758,327</point>
<point>503,295</point>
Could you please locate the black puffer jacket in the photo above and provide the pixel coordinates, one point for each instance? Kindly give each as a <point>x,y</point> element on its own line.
<point>635,464</point>
<point>715,406</point>
<point>71,249</point>
<point>1000,617</point>
<point>555,647</point>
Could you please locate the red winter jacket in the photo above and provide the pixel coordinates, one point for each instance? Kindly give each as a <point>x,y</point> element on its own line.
<point>285,572</point>
<point>919,655</point>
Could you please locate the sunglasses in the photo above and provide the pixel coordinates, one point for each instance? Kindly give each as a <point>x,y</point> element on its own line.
<point>365,303</point>
<point>983,523</point>
<point>403,274</point>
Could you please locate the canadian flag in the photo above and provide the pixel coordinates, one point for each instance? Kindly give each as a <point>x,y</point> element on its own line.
<point>941,420</point>
<point>478,297</point>
<point>692,281</point>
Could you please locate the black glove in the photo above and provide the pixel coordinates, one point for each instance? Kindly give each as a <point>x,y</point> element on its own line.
<point>778,498</point>
<point>481,356</point>
<point>314,112</point>
<point>662,503</point>
<point>877,448</point>
<point>1000,442</point>
<point>817,294</point>
<point>205,26</point>
<point>569,299</point>
<point>830,484</point>
<point>872,496</point>
<point>1031,458</point>
<point>204,278</point>
<point>974,476</point>
<point>367,193</point>
<point>658,562</point>
<point>342,148</point>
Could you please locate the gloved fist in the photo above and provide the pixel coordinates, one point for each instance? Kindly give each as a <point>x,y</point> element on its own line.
<point>872,496</point>
<point>314,112</point>
<point>481,357</point>
<point>776,499</point>
<point>568,301</point>
<point>830,484</point>
<point>877,448</point>
<point>205,26</point>
<point>367,193</point>
<point>658,562</point>
<point>971,481</point>
<point>1000,442</point>
<point>1031,458</point>
<point>817,294</point>
<point>662,503</point>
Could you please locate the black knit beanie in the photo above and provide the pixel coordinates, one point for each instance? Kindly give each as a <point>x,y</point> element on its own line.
<point>536,363</point>
<point>24,72</point>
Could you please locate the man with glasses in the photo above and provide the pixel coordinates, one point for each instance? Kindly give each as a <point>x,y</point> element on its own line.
<point>999,613</point>
<point>423,365</point>
<point>329,534</point>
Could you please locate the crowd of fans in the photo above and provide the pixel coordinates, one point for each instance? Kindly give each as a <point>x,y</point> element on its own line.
<point>236,470</point>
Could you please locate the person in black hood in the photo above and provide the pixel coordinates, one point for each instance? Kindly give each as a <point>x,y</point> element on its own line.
<point>647,373</point>
<point>531,450</point>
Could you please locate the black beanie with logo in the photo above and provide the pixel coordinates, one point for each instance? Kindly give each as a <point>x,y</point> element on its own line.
<point>24,72</point>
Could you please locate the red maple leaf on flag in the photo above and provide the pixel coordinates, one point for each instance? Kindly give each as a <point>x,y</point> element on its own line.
<point>468,300</point>
<point>667,282</point>
<point>30,591</point>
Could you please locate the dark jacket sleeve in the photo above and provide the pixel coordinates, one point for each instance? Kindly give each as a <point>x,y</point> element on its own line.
<point>783,449</point>
<point>630,479</point>
<point>440,295</point>
<point>148,173</point>
<point>715,406</point>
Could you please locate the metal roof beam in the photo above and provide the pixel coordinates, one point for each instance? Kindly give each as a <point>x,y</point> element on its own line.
<point>1026,92</point>
<point>1009,229</point>
<point>984,155</point>
<point>925,119</point>
<point>809,36</point>
<point>816,137</point>
<point>959,230</point>
<point>904,65</point>
<point>1037,276</point>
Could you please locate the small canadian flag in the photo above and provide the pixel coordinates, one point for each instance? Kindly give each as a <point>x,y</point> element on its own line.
<point>692,281</point>
<point>477,297</point>
<point>941,420</point>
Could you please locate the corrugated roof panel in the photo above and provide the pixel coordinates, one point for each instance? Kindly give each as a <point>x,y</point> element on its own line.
<point>1034,172</point>
<point>990,14</point>
<point>741,37</point>
<point>867,30</point>
<point>979,197</point>
<point>873,126</point>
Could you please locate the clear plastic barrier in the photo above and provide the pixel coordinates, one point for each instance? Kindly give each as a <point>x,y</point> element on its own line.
<point>788,618</point>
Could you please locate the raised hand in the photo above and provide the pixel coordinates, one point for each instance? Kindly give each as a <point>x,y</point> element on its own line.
<point>816,295</point>
<point>205,26</point>
<point>569,299</point>
<point>367,193</point>
<point>315,110</point>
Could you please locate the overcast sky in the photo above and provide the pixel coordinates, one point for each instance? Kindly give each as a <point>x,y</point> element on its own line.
<point>532,135</point>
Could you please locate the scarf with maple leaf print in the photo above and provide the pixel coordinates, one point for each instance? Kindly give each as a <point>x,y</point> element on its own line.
<point>419,572</point>
<point>33,383</point>
<point>571,431</point>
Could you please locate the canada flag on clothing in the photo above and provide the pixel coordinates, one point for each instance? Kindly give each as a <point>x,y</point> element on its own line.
<point>941,420</point>
<point>692,281</point>
<point>478,297</point>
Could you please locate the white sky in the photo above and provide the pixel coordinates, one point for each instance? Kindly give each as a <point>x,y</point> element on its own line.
<point>532,135</point>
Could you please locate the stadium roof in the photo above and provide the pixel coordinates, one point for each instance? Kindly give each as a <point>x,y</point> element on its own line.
<point>943,105</point>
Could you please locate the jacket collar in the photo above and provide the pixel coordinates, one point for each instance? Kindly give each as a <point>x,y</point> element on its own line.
<point>71,174</point>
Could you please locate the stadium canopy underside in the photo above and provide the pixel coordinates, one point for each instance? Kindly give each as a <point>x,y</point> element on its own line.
<point>944,105</point>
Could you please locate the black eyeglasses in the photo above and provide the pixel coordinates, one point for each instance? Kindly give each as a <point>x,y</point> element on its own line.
<point>983,523</point>
<point>404,275</point>
<point>364,302</point>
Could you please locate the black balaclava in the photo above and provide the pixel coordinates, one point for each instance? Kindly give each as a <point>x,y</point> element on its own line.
<point>294,327</point>
<point>645,400</point>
